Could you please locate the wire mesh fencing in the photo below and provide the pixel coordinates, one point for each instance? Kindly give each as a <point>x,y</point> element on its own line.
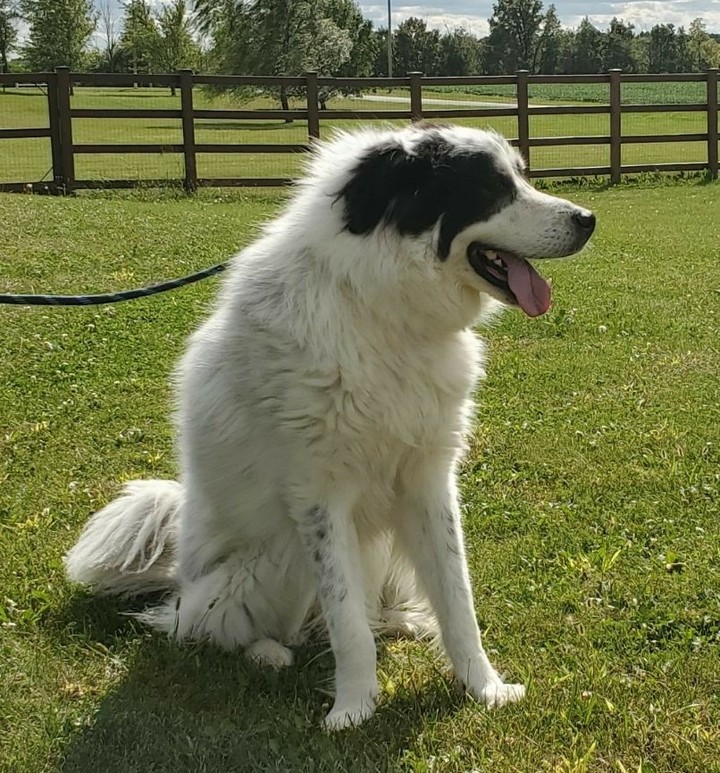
<point>73,131</point>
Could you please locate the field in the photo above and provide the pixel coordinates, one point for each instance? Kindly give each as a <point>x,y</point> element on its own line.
<point>29,159</point>
<point>592,494</point>
<point>632,93</point>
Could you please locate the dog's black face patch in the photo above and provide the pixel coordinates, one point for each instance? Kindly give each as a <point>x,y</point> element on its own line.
<point>412,191</point>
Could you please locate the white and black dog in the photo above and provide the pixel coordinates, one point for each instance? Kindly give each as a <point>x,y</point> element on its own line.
<point>323,407</point>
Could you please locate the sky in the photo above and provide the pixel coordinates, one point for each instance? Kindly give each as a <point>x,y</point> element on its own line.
<point>644,14</point>
<point>473,14</point>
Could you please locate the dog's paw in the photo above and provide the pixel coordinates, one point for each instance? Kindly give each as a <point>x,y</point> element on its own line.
<point>270,653</point>
<point>352,708</point>
<point>496,694</point>
<point>344,716</point>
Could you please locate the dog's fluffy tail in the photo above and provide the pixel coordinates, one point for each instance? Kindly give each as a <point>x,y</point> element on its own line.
<point>128,547</point>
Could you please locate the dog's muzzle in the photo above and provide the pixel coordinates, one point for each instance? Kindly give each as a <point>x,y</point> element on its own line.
<point>516,277</point>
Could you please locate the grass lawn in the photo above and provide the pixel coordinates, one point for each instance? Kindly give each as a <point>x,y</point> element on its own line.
<point>632,93</point>
<point>592,495</point>
<point>29,159</point>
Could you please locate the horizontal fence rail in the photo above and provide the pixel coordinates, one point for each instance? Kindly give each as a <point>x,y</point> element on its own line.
<point>63,117</point>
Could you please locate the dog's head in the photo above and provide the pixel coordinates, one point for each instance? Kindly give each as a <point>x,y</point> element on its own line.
<point>462,194</point>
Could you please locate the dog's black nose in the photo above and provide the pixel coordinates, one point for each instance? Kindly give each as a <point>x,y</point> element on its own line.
<point>585,220</point>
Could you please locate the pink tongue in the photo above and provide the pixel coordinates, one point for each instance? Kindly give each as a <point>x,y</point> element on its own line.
<point>531,290</point>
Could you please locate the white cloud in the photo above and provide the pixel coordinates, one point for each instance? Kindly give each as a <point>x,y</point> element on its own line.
<point>449,17</point>
<point>474,15</point>
<point>645,14</point>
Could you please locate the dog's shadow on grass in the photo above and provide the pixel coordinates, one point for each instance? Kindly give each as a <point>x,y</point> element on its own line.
<point>191,709</point>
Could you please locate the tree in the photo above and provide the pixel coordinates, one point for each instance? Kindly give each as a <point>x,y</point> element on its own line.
<point>682,49</point>
<point>346,15</point>
<point>9,14</point>
<point>703,50</point>
<point>587,50</point>
<point>640,49</point>
<point>548,55</point>
<point>326,48</point>
<point>668,49</point>
<point>139,38</point>
<point>111,56</point>
<point>174,47</point>
<point>59,32</point>
<point>417,49</point>
<point>459,53</point>
<point>281,37</point>
<point>514,33</point>
<point>380,60</point>
<point>618,48</point>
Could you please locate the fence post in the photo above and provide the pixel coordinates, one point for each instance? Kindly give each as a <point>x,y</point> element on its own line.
<point>312,95</point>
<point>66,179</point>
<point>712,121</point>
<point>416,110</point>
<point>188,129</point>
<point>615,126</point>
<point>55,136</point>
<point>523,117</point>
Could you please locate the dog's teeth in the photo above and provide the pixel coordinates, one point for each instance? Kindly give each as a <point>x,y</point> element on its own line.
<point>493,257</point>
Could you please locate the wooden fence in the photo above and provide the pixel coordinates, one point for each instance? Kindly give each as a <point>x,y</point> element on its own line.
<point>64,149</point>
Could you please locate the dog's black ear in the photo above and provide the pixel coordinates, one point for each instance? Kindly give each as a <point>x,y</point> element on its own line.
<point>380,187</point>
<point>408,190</point>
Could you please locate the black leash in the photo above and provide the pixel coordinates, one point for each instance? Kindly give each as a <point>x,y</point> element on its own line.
<point>125,295</point>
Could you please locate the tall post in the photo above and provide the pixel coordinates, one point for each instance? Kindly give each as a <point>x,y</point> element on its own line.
<point>615,126</point>
<point>389,40</point>
<point>64,119</point>
<point>523,116</point>
<point>415,96</point>
<point>188,130</point>
<point>712,121</point>
<point>313,112</point>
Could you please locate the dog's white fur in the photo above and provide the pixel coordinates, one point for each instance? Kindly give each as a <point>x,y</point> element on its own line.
<point>323,407</point>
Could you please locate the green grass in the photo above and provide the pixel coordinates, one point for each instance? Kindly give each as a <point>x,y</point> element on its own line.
<point>29,159</point>
<point>592,493</point>
<point>632,93</point>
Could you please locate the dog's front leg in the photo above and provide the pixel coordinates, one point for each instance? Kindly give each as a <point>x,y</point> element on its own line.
<point>330,537</point>
<point>430,529</point>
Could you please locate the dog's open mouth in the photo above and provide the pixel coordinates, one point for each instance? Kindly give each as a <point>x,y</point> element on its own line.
<point>512,274</point>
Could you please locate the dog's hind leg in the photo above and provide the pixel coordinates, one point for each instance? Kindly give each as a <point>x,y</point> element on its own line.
<point>256,599</point>
<point>210,607</point>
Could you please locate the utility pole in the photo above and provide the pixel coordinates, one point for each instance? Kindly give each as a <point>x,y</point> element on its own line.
<point>389,40</point>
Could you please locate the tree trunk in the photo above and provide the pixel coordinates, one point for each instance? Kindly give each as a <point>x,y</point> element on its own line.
<point>284,103</point>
